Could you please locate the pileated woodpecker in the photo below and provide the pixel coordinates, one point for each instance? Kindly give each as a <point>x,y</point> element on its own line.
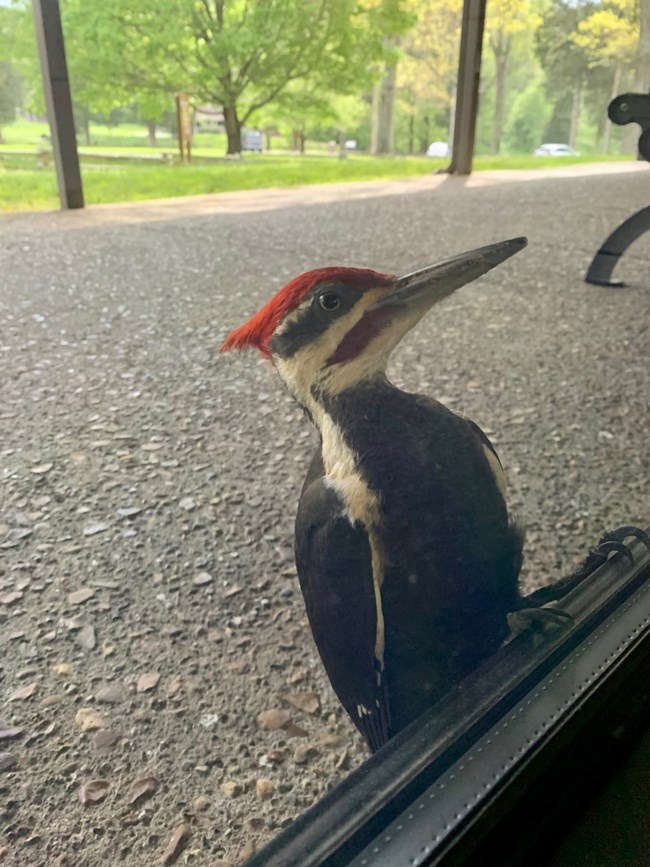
<point>407,557</point>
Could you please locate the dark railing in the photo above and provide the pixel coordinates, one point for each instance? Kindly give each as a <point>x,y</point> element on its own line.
<point>490,773</point>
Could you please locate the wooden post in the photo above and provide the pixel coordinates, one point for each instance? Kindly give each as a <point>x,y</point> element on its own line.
<point>184,119</point>
<point>51,50</point>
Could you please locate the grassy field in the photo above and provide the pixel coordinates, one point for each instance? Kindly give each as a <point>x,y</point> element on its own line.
<point>25,186</point>
<point>29,190</point>
<point>127,137</point>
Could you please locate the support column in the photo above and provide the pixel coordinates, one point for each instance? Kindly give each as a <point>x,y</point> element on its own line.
<point>51,50</point>
<point>469,75</point>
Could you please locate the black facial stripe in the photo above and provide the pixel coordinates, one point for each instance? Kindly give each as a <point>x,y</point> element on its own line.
<point>297,335</point>
<point>313,321</point>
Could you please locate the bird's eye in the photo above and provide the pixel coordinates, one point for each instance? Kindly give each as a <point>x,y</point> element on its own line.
<point>329,301</point>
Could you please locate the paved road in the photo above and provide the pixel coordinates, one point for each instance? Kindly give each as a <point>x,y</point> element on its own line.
<point>149,484</point>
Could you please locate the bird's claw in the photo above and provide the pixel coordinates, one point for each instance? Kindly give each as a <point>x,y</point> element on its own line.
<point>538,619</point>
<point>612,542</point>
<point>621,534</point>
<point>612,546</point>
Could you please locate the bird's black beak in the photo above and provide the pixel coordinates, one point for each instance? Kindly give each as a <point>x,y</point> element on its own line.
<point>422,289</point>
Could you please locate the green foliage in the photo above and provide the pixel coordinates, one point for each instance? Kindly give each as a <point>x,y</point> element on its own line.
<point>10,92</point>
<point>304,69</point>
<point>564,62</point>
<point>527,120</point>
<point>241,55</point>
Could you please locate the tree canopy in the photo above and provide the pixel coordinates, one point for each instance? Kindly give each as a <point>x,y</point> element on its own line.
<point>320,66</point>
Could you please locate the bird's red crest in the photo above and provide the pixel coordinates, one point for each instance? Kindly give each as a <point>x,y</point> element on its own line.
<point>259,329</point>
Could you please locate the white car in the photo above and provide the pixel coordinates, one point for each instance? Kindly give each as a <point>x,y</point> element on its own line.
<point>555,150</point>
<point>438,149</point>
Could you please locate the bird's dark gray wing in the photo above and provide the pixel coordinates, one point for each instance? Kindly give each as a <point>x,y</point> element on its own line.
<point>334,563</point>
<point>490,452</point>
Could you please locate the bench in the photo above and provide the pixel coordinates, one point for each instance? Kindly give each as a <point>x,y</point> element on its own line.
<point>624,109</point>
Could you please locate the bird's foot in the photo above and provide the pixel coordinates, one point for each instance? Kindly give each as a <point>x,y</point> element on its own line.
<point>618,537</point>
<point>540,620</point>
<point>612,542</point>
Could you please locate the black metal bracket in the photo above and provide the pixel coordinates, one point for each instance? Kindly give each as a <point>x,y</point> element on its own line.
<point>518,745</point>
<point>606,259</point>
<point>633,108</point>
<point>624,109</point>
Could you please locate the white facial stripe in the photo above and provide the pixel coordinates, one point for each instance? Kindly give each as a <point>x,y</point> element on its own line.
<point>308,366</point>
<point>361,504</point>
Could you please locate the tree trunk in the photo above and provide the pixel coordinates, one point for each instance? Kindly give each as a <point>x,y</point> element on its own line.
<point>501,60</point>
<point>374,117</point>
<point>303,139</point>
<point>85,125</point>
<point>343,154</point>
<point>575,114</point>
<point>411,133</point>
<point>295,140</point>
<point>641,73</point>
<point>233,129</point>
<point>267,135</point>
<point>452,118</point>
<point>607,138</point>
<point>151,131</point>
<point>642,70</point>
<point>386,135</point>
<point>427,132</point>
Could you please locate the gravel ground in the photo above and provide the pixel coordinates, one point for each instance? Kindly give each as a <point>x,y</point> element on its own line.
<point>149,608</point>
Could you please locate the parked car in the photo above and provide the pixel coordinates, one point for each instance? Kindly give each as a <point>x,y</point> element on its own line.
<point>438,149</point>
<point>555,150</point>
<point>252,141</point>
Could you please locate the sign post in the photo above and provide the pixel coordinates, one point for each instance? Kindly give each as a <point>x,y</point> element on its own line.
<point>184,117</point>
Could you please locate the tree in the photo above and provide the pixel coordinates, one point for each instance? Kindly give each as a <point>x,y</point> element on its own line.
<point>241,55</point>
<point>300,108</point>
<point>98,52</point>
<point>9,94</point>
<point>609,37</point>
<point>505,19</point>
<point>565,63</point>
<point>10,79</point>
<point>642,68</point>
<point>428,67</point>
<point>527,119</point>
<point>393,20</point>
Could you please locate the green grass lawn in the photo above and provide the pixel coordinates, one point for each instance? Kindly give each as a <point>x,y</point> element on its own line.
<point>126,137</point>
<point>34,189</point>
<point>29,190</point>
<point>24,186</point>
